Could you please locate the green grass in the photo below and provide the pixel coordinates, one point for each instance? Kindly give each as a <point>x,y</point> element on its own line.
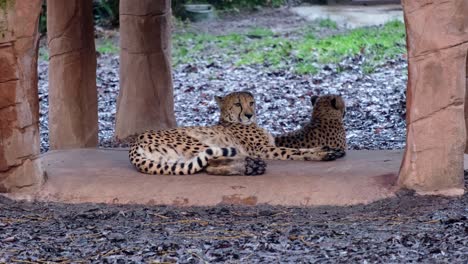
<point>304,55</point>
<point>107,47</point>
<point>328,23</point>
<point>260,32</point>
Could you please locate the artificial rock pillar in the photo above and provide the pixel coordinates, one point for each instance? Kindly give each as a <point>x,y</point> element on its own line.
<point>146,94</point>
<point>437,42</point>
<point>73,120</point>
<point>19,103</point>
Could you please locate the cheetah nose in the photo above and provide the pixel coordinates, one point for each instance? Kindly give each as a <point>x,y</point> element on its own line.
<point>248,115</point>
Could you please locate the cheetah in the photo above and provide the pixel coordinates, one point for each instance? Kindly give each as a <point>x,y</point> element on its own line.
<point>236,146</point>
<point>325,128</point>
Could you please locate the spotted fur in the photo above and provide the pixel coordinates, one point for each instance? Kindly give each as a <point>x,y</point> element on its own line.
<point>238,142</point>
<point>326,127</point>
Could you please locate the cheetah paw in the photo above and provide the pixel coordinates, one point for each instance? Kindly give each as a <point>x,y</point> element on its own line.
<point>332,153</point>
<point>254,166</point>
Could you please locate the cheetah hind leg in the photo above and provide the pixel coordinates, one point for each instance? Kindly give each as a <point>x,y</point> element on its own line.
<point>237,166</point>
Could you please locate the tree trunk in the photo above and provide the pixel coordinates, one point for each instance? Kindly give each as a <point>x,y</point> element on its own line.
<point>146,94</point>
<point>19,103</point>
<point>72,74</point>
<point>437,41</point>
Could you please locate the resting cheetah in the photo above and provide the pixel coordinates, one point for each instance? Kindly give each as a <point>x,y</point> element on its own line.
<point>326,127</point>
<point>234,147</point>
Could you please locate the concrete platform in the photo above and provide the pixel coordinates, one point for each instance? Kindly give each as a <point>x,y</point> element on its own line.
<point>98,175</point>
<point>351,16</point>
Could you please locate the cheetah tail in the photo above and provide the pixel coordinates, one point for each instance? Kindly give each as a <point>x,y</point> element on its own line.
<point>191,166</point>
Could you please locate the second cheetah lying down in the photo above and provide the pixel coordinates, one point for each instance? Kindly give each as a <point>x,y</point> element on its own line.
<point>325,128</point>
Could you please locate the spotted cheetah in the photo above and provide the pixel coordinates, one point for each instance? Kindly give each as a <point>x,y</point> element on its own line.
<point>234,147</point>
<point>325,128</point>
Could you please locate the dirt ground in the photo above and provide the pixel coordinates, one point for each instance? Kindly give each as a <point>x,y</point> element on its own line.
<point>404,229</point>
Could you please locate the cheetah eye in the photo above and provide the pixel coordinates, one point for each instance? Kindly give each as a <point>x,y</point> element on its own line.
<point>237,104</point>
<point>252,103</point>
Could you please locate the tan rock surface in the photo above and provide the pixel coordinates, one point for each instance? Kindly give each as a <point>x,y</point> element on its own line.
<point>19,105</point>
<point>73,120</point>
<point>97,175</point>
<point>437,40</point>
<point>146,94</point>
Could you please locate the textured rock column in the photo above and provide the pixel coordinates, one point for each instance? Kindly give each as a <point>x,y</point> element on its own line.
<point>72,74</point>
<point>19,103</point>
<point>437,41</point>
<point>466,102</point>
<point>146,94</point>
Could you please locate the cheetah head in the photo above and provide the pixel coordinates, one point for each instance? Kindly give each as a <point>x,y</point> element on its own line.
<point>237,107</point>
<point>328,106</point>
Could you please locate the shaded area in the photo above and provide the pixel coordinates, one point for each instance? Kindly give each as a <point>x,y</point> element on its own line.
<point>376,101</point>
<point>402,229</point>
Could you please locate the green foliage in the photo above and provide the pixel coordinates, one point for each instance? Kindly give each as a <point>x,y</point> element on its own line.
<point>259,32</point>
<point>3,4</point>
<point>106,12</point>
<point>376,43</point>
<point>262,46</point>
<point>328,23</point>
<point>43,54</point>
<point>43,18</point>
<point>107,47</point>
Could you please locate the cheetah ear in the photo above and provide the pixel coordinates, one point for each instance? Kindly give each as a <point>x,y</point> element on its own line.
<point>333,103</point>
<point>218,99</point>
<point>313,99</point>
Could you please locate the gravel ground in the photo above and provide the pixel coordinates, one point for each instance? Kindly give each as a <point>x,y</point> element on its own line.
<point>405,229</point>
<point>376,102</point>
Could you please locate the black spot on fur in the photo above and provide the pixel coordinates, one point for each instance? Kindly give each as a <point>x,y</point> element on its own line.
<point>225,152</point>
<point>233,152</point>
<point>199,161</point>
<point>209,152</point>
